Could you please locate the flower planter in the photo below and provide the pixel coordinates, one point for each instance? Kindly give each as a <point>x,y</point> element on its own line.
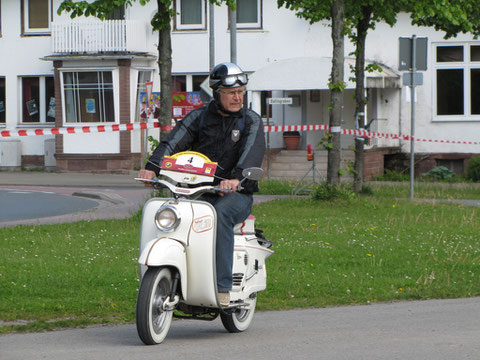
<point>291,139</point>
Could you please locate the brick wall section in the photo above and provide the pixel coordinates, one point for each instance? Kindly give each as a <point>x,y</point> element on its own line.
<point>58,106</point>
<point>33,161</point>
<point>373,164</point>
<point>374,161</point>
<point>426,162</point>
<point>124,85</point>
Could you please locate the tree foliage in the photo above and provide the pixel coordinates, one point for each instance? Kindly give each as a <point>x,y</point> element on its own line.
<point>452,17</point>
<point>101,8</point>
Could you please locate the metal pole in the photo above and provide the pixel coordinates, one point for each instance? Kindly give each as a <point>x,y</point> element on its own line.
<point>268,140</point>
<point>211,35</point>
<point>412,124</point>
<point>233,36</point>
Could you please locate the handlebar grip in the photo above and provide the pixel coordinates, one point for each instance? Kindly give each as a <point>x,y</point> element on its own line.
<point>217,189</point>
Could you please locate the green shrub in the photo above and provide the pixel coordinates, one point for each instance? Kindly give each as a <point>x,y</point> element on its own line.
<point>473,169</point>
<point>439,173</point>
<point>327,192</point>
<point>366,190</point>
<point>391,175</point>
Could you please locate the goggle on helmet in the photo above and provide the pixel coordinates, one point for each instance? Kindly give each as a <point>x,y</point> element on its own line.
<point>227,75</point>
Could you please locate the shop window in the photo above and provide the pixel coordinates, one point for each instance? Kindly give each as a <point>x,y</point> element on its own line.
<point>457,82</point>
<point>197,81</point>
<point>88,97</point>
<point>37,16</point>
<point>179,83</point>
<point>190,15</point>
<point>2,100</point>
<point>184,83</point>
<point>38,99</point>
<point>144,76</point>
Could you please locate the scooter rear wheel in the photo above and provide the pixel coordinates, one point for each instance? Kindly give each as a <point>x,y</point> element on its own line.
<point>153,322</point>
<point>240,319</point>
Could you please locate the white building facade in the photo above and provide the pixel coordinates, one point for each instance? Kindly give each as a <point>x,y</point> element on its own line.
<point>56,72</point>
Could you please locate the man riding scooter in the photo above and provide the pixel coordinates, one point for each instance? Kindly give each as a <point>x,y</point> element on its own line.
<point>231,135</point>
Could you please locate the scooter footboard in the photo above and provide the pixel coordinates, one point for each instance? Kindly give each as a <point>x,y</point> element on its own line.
<point>165,252</point>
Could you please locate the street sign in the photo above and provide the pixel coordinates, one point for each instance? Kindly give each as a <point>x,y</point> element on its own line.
<point>280,101</point>
<point>420,54</point>
<point>413,57</point>
<point>417,79</point>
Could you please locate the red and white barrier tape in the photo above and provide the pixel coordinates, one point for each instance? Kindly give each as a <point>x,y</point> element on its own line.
<point>365,133</point>
<point>295,128</point>
<point>82,129</point>
<point>270,129</point>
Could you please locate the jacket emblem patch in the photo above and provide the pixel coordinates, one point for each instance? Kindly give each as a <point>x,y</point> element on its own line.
<point>235,135</point>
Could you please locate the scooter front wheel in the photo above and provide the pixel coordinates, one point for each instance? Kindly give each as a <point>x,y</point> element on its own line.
<point>153,322</point>
<point>240,319</point>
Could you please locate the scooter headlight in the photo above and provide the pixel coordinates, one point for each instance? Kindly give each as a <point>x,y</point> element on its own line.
<point>167,218</point>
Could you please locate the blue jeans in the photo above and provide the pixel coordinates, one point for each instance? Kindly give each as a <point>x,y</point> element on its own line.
<point>232,208</point>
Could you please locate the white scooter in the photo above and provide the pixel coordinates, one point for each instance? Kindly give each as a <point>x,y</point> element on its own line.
<point>177,253</point>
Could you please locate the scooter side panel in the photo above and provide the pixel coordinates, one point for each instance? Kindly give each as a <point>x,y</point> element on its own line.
<point>166,252</point>
<point>201,256</point>
<point>249,261</point>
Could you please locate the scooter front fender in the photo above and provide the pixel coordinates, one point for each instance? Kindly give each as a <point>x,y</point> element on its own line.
<point>166,252</point>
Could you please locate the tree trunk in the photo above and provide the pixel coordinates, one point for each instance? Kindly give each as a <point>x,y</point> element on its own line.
<point>360,101</point>
<point>165,69</point>
<point>336,91</point>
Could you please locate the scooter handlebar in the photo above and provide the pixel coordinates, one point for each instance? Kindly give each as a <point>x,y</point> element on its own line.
<point>182,191</point>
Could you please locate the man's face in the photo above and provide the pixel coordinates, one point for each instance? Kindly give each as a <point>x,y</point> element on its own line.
<point>232,98</point>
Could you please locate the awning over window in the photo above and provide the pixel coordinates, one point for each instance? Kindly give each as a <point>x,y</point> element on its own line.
<point>311,73</point>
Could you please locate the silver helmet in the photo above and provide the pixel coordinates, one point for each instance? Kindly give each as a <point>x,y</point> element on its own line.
<point>227,75</point>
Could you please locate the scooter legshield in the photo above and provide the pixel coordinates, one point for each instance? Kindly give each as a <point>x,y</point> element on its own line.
<point>165,252</point>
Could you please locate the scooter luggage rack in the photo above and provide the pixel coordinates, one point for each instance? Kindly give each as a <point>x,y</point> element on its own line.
<point>313,170</point>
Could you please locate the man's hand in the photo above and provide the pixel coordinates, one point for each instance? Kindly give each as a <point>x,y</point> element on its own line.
<point>146,174</point>
<point>231,185</point>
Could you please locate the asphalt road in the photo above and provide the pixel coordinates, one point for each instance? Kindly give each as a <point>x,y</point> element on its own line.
<point>35,205</point>
<point>426,330</point>
<point>19,204</point>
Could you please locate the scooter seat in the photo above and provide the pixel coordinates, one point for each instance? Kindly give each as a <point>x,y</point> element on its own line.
<point>245,228</point>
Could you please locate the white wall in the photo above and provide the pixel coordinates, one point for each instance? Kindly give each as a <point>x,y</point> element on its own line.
<point>382,46</point>
<point>283,36</point>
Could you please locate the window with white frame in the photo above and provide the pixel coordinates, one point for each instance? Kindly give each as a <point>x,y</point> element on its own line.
<point>457,81</point>
<point>190,14</point>
<point>249,14</point>
<point>38,99</point>
<point>88,96</point>
<point>37,16</point>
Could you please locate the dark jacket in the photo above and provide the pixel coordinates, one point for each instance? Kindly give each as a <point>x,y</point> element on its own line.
<point>218,137</point>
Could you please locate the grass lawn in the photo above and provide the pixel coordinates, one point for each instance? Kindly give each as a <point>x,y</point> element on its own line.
<point>369,249</point>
